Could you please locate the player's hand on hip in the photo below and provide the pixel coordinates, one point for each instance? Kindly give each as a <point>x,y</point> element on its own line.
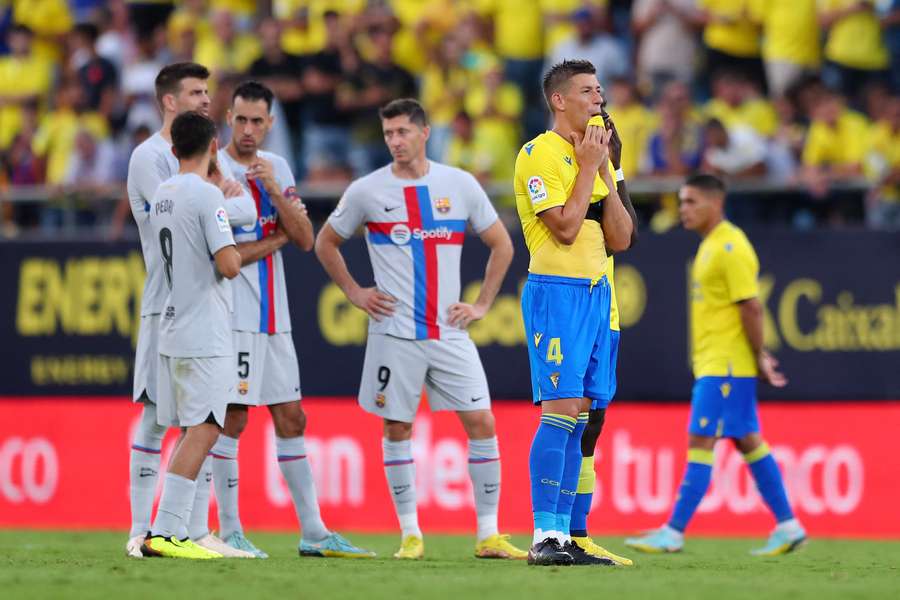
<point>376,303</point>
<point>231,188</point>
<point>768,370</point>
<point>461,314</point>
<point>262,171</point>
<point>592,150</point>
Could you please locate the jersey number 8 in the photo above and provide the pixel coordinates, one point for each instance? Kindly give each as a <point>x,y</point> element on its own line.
<point>165,247</point>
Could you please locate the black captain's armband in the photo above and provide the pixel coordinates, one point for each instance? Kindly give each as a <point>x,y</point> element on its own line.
<point>595,212</point>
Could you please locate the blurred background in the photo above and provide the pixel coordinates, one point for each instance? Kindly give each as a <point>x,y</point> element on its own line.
<point>794,102</point>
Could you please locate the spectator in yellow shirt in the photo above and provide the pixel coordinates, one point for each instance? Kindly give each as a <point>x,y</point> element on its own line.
<point>469,153</point>
<point>443,90</point>
<point>736,102</point>
<point>835,145</point>
<point>855,53</point>
<point>882,168</point>
<point>634,122</point>
<point>226,51</point>
<point>790,46</point>
<point>731,37</point>
<point>25,78</point>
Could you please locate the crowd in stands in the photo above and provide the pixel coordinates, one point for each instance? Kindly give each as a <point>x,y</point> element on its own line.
<point>799,93</point>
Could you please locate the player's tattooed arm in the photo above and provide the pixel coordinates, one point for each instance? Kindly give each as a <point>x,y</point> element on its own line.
<point>376,303</point>
<point>752,321</point>
<point>253,251</point>
<point>497,239</point>
<point>292,215</point>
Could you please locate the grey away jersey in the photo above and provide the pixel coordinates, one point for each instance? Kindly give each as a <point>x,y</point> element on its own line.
<point>152,162</point>
<point>414,232</point>
<point>260,293</point>
<point>189,224</point>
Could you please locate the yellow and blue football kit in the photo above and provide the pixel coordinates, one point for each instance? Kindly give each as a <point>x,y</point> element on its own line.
<point>566,300</point>
<point>566,311</point>
<point>724,273</point>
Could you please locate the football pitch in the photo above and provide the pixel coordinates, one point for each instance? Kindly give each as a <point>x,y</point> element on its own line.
<point>43,564</point>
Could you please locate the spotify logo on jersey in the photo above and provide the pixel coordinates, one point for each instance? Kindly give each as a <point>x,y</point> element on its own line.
<point>400,234</point>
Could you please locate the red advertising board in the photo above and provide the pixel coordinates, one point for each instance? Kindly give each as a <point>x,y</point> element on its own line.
<point>64,464</point>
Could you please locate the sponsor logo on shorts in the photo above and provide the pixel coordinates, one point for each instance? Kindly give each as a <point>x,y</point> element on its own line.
<point>442,205</point>
<point>536,189</point>
<point>380,400</point>
<point>243,388</point>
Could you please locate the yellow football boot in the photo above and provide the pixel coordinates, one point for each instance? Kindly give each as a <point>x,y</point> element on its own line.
<point>589,546</point>
<point>172,547</point>
<point>498,546</point>
<point>411,548</point>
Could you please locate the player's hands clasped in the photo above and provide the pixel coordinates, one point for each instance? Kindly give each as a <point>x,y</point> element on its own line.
<point>461,314</point>
<point>592,150</point>
<point>376,303</point>
<point>230,188</point>
<point>768,370</point>
<point>262,171</point>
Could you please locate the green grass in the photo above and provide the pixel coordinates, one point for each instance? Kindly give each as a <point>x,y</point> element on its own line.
<point>93,565</point>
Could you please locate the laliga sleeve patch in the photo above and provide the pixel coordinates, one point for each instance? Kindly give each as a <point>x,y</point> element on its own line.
<point>222,220</point>
<point>537,191</point>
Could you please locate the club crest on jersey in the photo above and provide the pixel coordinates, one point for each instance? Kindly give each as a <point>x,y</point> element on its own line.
<point>243,388</point>
<point>554,379</point>
<point>442,205</point>
<point>536,189</point>
<point>380,400</point>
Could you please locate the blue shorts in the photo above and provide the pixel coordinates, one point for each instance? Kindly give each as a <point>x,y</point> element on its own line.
<point>724,407</point>
<point>568,337</point>
<point>604,401</point>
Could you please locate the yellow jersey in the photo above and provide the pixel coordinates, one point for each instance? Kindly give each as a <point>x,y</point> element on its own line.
<point>855,40</point>
<point>613,304</point>
<point>757,113</point>
<point>884,156</point>
<point>724,272</point>
<point>790,31</point>
<point>844,144</point>
<point>737,35</point>
<point>544,177</point>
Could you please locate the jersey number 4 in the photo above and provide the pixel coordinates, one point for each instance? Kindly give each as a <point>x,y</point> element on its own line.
<point>165,247</point>
<point>554,351</point>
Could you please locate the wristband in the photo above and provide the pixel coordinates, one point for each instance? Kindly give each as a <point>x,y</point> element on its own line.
<point>620,176</point>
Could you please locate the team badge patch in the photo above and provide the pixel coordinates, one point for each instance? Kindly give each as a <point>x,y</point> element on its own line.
<point>380,400</point>
<point>222,220</point>
<point>442,205</point>
<point>290,194</point>
<point>243,388</point>
<point>554,379</point>
<point>536,189</point>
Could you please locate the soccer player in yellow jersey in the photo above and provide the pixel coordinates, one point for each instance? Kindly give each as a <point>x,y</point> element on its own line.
<point>728,357</point>
<point>571,213</point>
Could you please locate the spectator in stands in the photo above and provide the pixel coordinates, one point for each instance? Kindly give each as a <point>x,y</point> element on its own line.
<point>148,16</point>
<point>890,24</point>
<point>518,35</point>
<point>225,51</point>
<point>367,89</point>
<point>667,45</point>
<point>466,152</point>
<point>634,122</point>
<point>854,49</point>
<point>496,106</point>
<point>786,144</point>
<point>54,140</point>
<point>835,146</point>
<point>326,133</point>
<point>138,81</point>
<point>737,152</point>
<point>731,37</point>
<point>25,78</point>
<point>21,167</point>
<point>790,41</point>
<point>49,20</point>
<point>282,73</point>
<point>558,23</point>
<point>594,45</point>
<point>117,41</point>
<point>736,101</point>
<point>883,170</point>
<point>444,86</point>
<point>677,146</point>
<point>97,75</point>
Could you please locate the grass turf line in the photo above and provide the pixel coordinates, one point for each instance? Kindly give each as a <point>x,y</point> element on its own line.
<point>46,564</point>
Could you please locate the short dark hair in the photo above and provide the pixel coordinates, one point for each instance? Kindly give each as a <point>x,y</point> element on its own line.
<point>23,29</point>
<point>87,30</point>
<point>169,79</point>
<point>707,183</point>
<point>253,91</point>
<point>191,134</point>
<point>560,73</point>
<point>405,106</point>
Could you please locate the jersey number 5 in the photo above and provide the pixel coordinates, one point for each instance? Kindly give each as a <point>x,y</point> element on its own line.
<point>165,247</point>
